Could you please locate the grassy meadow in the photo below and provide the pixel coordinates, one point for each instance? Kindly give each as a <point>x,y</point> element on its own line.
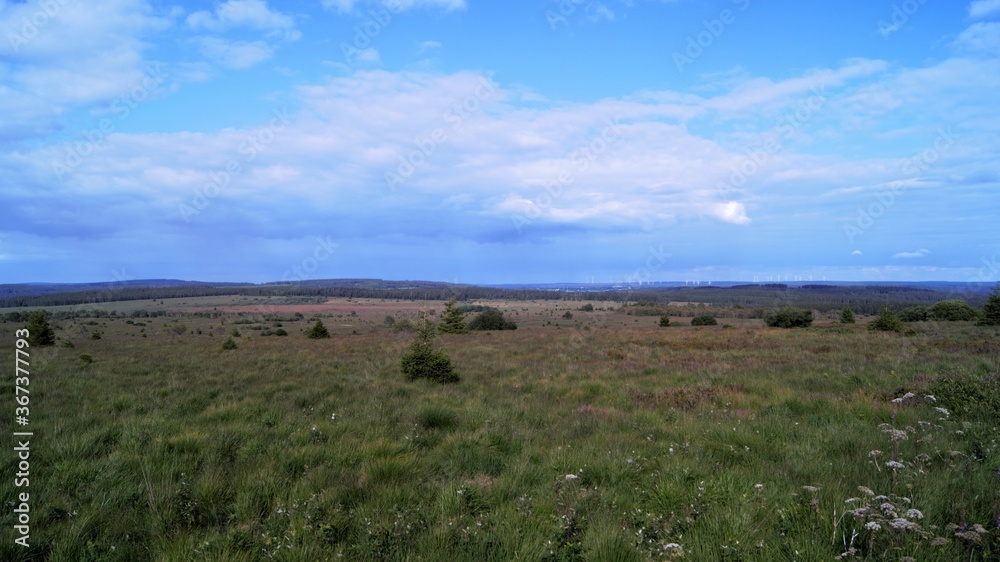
<point>598,437</point>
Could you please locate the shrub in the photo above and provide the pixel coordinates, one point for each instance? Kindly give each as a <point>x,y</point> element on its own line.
<point>664,321</point>
<point>887,321</point>
<point>491,319</point>
<point>847,316</point>
<point>230,343</point>
<point>403,325</point>
<point>86,358</point>
<point>914,314</point>
<point>587,308</point>
<point>422,361</point>
<point>704,320</point>
<point>39,332</point>
<point>568,315</point>
<point>991,310</point>
<point>318,331</point>
<point>952,310</point>
<point>280,332</point>
<point>790,318</point>
<point>452,319</point>
<point>95,335</point>
<point>969,395</point>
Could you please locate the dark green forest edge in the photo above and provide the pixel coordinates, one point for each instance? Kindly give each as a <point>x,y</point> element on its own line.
<point>865,299</point>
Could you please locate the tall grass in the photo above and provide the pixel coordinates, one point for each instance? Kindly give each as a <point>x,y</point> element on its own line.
<point>626,442</point>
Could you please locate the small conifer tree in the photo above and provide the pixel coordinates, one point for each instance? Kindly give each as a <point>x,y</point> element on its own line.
<point>452,319</point>
<point>991,310</point>
<point>39,332</point>
<point>422,361</point>
<point>847,316</point>
<point>318,331</point>
<point>887,321</point>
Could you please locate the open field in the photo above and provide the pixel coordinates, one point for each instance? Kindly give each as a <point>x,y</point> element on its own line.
<point>596,437</point>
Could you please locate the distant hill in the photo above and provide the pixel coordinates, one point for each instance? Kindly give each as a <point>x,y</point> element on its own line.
<point>863,297</point>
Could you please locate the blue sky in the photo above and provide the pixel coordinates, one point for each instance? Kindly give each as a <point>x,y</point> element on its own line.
<point>498,142</point>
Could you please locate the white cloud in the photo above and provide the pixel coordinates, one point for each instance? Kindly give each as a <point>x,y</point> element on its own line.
<point>345,6</point>
<point>983,8</point>
<point>235,54</point>
<point>424,46</point>
<point>856,253</point>
<point>251,14</point>
<point>367,56</point>
<point>907,255</point>
<point>731,212</point>
<point>982,37</point>
<point>597,11</point>
<point>81,54</point>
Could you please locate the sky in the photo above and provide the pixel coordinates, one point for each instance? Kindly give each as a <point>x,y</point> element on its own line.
<point>500,142</point>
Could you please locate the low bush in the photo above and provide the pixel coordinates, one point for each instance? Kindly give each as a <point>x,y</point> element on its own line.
<point>887,321</point>
<point>491,319</point>
<point>953,310</point>
<point>704,320</point>
<point>790,318</point>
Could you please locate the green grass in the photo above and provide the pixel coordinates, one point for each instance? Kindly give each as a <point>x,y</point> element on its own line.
<point>621,441</point>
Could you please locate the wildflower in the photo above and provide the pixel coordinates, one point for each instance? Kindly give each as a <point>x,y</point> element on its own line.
<point>888,508</point>
<point>941,410</point>
<point>866,491</point>
<point>895,465</point>
<point>931,398</point>
<point>904,525</point>
<point>903,398</point>
<point>571,477</point>
<point>873,526</point>
<point>874,453</point>
<point>896,434</point>
<point>333,417</point>
<point>914,514</point>
<point>810,489</point>
<point>939,541</point>
<point>758,486</point>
